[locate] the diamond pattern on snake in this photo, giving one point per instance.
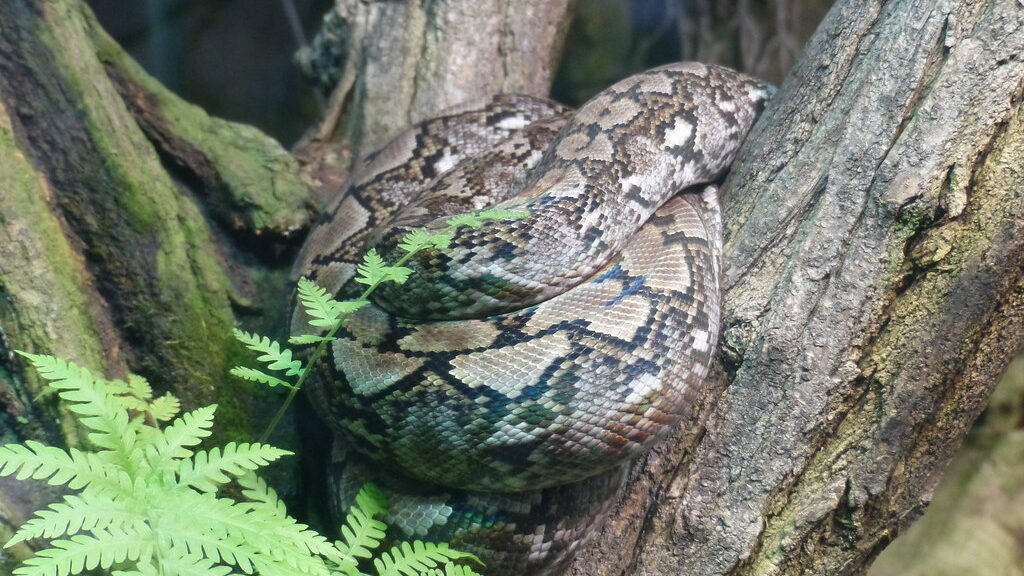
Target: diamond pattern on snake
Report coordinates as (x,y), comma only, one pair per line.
(500,394)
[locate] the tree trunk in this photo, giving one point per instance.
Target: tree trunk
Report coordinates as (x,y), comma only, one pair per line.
(392,64)
(875,286)
(875,270)
(136,231)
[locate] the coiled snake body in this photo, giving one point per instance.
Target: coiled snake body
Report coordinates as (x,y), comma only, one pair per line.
(499,393)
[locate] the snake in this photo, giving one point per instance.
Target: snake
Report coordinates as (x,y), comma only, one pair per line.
(499,395)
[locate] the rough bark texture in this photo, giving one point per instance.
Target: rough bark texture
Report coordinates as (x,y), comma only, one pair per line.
(973,525)
(761,37)
(396,63)
(112,258)
(874,295)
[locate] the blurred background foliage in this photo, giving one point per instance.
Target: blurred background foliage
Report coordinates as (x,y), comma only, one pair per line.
(235,58)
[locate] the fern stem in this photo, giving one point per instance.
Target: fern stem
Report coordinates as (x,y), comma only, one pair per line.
(279,414)
(315,357)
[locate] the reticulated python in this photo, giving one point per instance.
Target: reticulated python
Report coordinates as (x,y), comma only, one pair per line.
(498,394)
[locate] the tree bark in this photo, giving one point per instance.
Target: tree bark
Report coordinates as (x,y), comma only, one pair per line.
(874,293)
(392,64)
(973,524)
(135,232)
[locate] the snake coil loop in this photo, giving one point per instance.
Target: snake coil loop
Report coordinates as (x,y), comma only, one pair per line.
(519,370)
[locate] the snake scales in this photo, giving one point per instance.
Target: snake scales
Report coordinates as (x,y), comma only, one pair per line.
(498,395)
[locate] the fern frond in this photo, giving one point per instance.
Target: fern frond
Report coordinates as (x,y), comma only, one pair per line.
(77,513)
(74,468)
(264,523)
(373,270)
(421,239)
(261,494)
(140,387)
(122,394)
(453,570)
(502,214)
(478,219)
(176,562)
(235,533)
(362,533)
(265,499)
(407,559)
(174,441)
(271,352)
(164,408)
(322,307)
(306,339)
(229,550)
(95,407)
(464,220)
(102,549)
(206,470)
(134,394)
(258,376)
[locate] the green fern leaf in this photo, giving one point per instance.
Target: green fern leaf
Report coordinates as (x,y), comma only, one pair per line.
(74,468)
(374,270)
(77,513)
(306,339)
(271,352)
(362,533)
(217,548)
(207,470)
(176,562)
(464,221)
(102,549)
(502,214)
(453,570)
(319,304)
(397,274)
(476,220)
(140,387)
(260,377)
(265,499)
(371,270)
(122,393)
(237,533)
(412,559)
(96,408)
(164,408)
(174,441)
(421,239)
(260,494)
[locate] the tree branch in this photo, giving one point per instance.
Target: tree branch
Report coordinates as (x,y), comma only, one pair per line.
(875,292)
(402,62)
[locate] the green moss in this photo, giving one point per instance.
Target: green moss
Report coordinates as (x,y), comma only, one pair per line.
(150,250)
(42,304)
(260,179)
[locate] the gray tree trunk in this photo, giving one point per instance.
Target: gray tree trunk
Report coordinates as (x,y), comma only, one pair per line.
(875,290)
(392,64)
